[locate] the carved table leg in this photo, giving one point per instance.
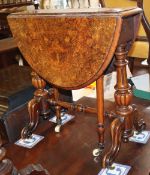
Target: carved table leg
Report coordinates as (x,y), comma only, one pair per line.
(58,111)
(33,109)
(41,95)
(100,114)
(123,94)
(116,134)
(100,110)
(122,127)
(37,106)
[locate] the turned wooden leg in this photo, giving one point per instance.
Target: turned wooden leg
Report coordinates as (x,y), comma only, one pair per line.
(58,111)
(122,126)
(100,111)
(102,2)
(123,94)
(116,135)
(89,4)
(37,106)
(41,95)
(58,118)
(100,116)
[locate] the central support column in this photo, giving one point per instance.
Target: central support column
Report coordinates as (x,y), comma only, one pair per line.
(123,94)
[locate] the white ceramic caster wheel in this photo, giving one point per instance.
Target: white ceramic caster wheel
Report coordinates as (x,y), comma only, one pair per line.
(57,128)
(96,152)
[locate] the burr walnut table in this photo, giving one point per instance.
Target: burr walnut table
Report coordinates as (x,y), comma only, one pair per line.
(72,48)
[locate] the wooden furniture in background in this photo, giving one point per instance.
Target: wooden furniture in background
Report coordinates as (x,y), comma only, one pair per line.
(14,3)
(48,4)
(4,28)
(9,52)
(15,91)
(7,7)
(141,47)
(7,45)
(73,54)
(144,4)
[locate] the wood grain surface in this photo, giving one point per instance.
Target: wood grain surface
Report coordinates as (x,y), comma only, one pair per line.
(71,48)
(68,51)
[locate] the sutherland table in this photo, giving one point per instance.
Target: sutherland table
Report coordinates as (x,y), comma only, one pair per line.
(71,49)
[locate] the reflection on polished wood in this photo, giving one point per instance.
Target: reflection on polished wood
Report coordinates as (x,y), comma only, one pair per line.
(72,48)
(7,167)
(70,152)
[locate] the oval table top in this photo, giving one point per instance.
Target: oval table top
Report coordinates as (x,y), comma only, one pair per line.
(68,48)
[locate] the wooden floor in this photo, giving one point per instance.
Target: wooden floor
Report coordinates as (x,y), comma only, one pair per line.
(70,152)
